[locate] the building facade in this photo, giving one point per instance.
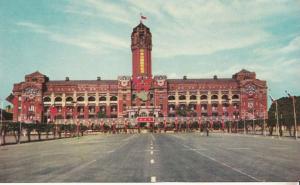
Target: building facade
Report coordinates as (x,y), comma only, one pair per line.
(39,99)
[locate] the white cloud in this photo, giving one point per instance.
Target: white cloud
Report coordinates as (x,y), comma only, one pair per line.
(201,27)
(294,45)
(100,8)
(95,41)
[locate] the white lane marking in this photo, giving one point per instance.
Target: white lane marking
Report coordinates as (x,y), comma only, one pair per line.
(151,152)
(151,147)
(111,151)
(152,161)
(278,148)
(153,179)
(196,149)
(238,148)
(153,138)
(224,164)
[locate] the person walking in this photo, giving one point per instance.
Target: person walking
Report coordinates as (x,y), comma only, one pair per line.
(207,128)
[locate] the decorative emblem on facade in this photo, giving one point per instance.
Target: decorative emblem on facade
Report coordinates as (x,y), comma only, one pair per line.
(142,83)
(250,89)
(31,92)
(250,105)
(124,80)
(143,95)
(160,80)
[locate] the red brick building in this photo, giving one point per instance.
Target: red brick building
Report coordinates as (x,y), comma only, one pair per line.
(141,95)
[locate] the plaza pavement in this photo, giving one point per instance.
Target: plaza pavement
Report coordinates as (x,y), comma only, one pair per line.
(183,157)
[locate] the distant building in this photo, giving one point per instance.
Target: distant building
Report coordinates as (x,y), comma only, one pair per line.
(141,95)
(6,116)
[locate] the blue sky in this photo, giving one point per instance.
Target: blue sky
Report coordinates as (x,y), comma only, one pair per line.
(89,38)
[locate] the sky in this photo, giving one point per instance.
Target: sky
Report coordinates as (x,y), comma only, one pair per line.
(83,39)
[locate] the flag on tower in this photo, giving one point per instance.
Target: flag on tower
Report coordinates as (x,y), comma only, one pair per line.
(143,17)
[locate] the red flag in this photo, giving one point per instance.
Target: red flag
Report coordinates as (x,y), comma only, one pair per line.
(143,17)
(53,111)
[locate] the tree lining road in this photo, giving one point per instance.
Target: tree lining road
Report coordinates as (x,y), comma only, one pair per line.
(184,157)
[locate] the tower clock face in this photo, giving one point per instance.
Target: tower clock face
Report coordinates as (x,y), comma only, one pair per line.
(250,89)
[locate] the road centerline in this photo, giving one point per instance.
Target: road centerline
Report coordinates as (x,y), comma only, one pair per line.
(152,161)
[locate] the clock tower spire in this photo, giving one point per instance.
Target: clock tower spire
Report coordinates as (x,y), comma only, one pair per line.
(141,46)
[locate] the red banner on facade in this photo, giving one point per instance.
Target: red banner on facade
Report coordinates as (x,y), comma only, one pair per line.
(145,119)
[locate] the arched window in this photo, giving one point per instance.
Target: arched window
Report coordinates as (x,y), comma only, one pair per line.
(80,99)
(171,107)
(102,108)
(182,106)
(114,108)
(193,97)
(102,98)
(91,98)
(69,99)
(214,107)
(192,106)
(214,97)
(171,98)
(225,105)
(113,98)
(182,97)
(58,99)
(203,107)
(133,97)
(225,97)
(47,99)
(91,109)
(80,109)
(235,96)
(203,97)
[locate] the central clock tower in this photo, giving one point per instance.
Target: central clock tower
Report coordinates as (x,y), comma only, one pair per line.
(141,46)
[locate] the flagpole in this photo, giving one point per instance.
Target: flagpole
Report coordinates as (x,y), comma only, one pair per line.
(264,124)
(1,121)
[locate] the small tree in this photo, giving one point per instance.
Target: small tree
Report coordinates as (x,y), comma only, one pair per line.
(72,129)
(101,114)
(3,131)
(48,128)
(59,129)
(83,128)
(40,128)
(29,128)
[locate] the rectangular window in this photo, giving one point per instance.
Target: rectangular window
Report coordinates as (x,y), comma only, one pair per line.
(142,61)
(31,108)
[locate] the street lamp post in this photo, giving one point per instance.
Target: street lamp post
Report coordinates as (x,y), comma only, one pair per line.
(244,123)
(253,123)
(264,126)
(295,118)
(1,121)
(22,118)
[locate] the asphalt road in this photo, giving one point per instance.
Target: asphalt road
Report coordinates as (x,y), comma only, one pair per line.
(184,157)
